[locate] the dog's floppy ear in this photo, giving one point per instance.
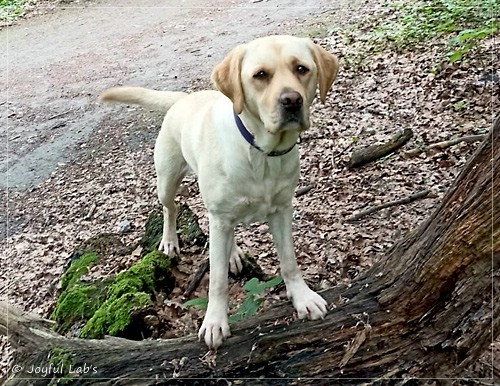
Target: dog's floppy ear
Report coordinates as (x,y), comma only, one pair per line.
(328,66)
(227,77)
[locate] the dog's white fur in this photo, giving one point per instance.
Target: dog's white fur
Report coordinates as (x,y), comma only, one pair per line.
(239,183)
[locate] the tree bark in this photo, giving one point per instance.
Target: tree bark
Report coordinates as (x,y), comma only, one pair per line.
(428,308)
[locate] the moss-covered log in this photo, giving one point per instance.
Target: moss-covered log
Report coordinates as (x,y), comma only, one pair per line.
(426,309)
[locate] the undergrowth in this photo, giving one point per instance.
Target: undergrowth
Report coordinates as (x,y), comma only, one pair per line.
(11,9)
(462,24)
(254,290)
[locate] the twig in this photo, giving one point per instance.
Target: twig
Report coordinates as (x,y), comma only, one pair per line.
(373,209)
(197,278)
(58,115)
(373,152)
(91,212)
(348,147)
(443,145)
(304,190)
(57,125)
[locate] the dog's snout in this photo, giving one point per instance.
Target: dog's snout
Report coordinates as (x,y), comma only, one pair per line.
(291,100)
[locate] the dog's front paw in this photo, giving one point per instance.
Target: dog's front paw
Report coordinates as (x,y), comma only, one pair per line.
(214,330)
(169,246)
(309,304)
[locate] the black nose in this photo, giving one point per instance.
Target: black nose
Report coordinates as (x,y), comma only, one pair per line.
(291,100)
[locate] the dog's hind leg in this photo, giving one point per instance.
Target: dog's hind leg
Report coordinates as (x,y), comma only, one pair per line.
(236,259)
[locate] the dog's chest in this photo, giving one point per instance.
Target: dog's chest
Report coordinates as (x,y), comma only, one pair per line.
(266,188)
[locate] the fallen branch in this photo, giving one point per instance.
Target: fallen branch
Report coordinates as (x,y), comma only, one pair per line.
(197,278)
(58,115)
(373,152)
(443,145)
(373,209)
(304,190)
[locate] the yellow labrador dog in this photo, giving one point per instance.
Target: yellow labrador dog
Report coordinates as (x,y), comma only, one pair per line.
(241,144)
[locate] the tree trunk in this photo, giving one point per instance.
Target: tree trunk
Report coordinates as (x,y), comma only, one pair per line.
(428,309)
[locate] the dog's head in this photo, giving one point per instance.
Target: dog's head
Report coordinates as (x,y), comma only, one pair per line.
(275,79)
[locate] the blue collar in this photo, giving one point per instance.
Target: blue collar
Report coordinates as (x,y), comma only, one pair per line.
(251,139)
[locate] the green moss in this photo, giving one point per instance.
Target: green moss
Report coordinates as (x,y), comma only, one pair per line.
(78,268)
(63,361)
(188,229)
(251,269)
(315,30)
(61,357)
(78,302)
(11,9)
(114,316)
(153,232)
(131,291)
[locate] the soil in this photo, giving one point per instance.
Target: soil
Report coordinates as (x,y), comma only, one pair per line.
(73,168)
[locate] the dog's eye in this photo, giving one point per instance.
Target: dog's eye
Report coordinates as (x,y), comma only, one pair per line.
(302,69)
(260,75)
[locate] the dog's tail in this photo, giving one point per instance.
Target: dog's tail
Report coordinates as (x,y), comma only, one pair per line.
(156,100)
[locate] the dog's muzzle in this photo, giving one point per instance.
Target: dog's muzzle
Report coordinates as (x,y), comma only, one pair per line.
(292,115)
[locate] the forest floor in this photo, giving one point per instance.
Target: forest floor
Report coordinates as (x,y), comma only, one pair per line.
(74,169)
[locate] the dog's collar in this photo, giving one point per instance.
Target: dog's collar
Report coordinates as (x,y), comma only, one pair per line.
(251,139)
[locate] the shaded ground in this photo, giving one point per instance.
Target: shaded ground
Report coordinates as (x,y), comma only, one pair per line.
(54,67)
(77,169)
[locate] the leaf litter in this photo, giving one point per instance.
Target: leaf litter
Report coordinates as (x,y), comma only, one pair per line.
(112,179)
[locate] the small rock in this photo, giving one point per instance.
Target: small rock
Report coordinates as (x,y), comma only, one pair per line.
(125,226)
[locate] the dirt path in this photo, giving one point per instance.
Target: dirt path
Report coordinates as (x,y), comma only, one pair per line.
(54,67)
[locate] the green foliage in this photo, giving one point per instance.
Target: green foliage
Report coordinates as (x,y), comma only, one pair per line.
(201,303)
(254,290)
(11,9)
(464,23)
(460,105)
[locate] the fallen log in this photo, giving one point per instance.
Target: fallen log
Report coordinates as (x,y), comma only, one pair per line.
(371,153)
(425,309)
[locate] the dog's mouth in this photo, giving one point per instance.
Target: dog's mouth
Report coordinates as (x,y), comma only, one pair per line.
(298,124)
(293,120)
(289,121)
